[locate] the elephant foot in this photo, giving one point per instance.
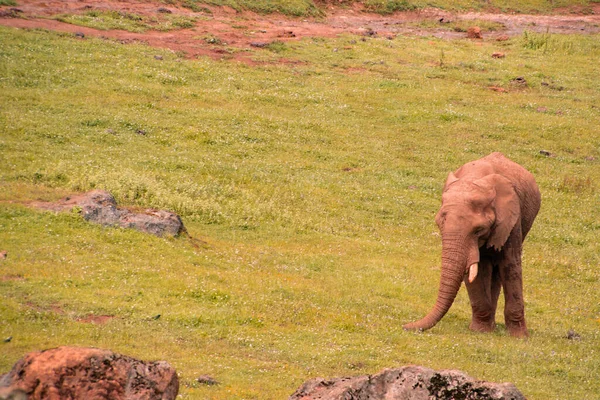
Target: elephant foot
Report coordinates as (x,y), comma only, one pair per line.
(479,326)
(518,332)
(516,327)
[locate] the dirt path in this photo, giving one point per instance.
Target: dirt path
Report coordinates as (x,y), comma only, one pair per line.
(248,30)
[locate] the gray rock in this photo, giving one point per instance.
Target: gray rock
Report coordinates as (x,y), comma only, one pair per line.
(407,383)
(100,207)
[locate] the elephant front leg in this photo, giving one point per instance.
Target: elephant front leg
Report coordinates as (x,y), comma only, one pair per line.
(483,298)
(512,283)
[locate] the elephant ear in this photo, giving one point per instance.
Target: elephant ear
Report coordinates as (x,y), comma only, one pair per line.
(507,207)
(450,180)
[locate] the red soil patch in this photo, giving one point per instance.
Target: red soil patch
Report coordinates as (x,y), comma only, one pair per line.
(237,31)
(11,277)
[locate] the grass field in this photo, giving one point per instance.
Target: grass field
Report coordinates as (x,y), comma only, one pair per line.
(313,187)
(315,8)
(127,21)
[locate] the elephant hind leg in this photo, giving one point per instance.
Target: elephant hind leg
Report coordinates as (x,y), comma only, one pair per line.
(483,294)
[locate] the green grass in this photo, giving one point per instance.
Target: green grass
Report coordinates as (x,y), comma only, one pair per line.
(312,8)
(288,7)
(131,22)
(457,25)
(313,187)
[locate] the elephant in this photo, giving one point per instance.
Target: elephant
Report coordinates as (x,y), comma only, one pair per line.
(488,207)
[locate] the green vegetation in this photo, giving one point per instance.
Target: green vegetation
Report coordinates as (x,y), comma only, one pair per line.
(525,6)
(288,7)
(127,21)
(312,8)
(8,3)
(461,25)
(312,187)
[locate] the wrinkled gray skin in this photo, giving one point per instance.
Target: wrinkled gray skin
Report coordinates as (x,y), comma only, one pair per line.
(488,207)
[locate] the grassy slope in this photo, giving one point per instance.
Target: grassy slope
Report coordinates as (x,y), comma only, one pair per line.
(127,21)
(314,188)
(315,8)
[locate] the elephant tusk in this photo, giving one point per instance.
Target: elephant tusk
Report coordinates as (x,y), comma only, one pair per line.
(473,272)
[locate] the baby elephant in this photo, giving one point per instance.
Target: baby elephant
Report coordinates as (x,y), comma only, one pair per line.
(488,206)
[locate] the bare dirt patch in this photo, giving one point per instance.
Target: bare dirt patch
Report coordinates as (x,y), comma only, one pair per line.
(95,319)
(11,277)
(223,33)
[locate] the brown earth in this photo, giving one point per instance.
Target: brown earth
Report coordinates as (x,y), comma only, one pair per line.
(96,319)
(241,33)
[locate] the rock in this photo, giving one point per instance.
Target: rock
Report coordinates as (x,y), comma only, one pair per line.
(519,80)
(572,335)
(80,35)
(3,255)
(287,34)
(156,222)
(546,153)
(207,380)
(474,32)
(158,57)
(100,207)
(164,10)
(410,382)
(498,89)
(90,373)
(11,13)
(497,54)
(260,44)
(502,38)
(370,32)
(8,394)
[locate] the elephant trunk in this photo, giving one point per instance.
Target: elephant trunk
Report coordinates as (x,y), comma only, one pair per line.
(455,258)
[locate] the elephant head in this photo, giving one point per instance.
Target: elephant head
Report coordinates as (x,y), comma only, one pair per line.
(477,212)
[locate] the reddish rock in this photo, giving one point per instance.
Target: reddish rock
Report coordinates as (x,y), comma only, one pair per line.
(498,89)
(502,38)
(474,32)
(498,55)
(411,382)
(89,373)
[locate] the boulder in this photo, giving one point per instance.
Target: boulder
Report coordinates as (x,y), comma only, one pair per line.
(407,383)
(474,32)
(100,207)
(89,373)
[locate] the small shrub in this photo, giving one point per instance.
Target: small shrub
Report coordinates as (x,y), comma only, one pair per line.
(536,41)
(576,184)
(277,46)
(388,6)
